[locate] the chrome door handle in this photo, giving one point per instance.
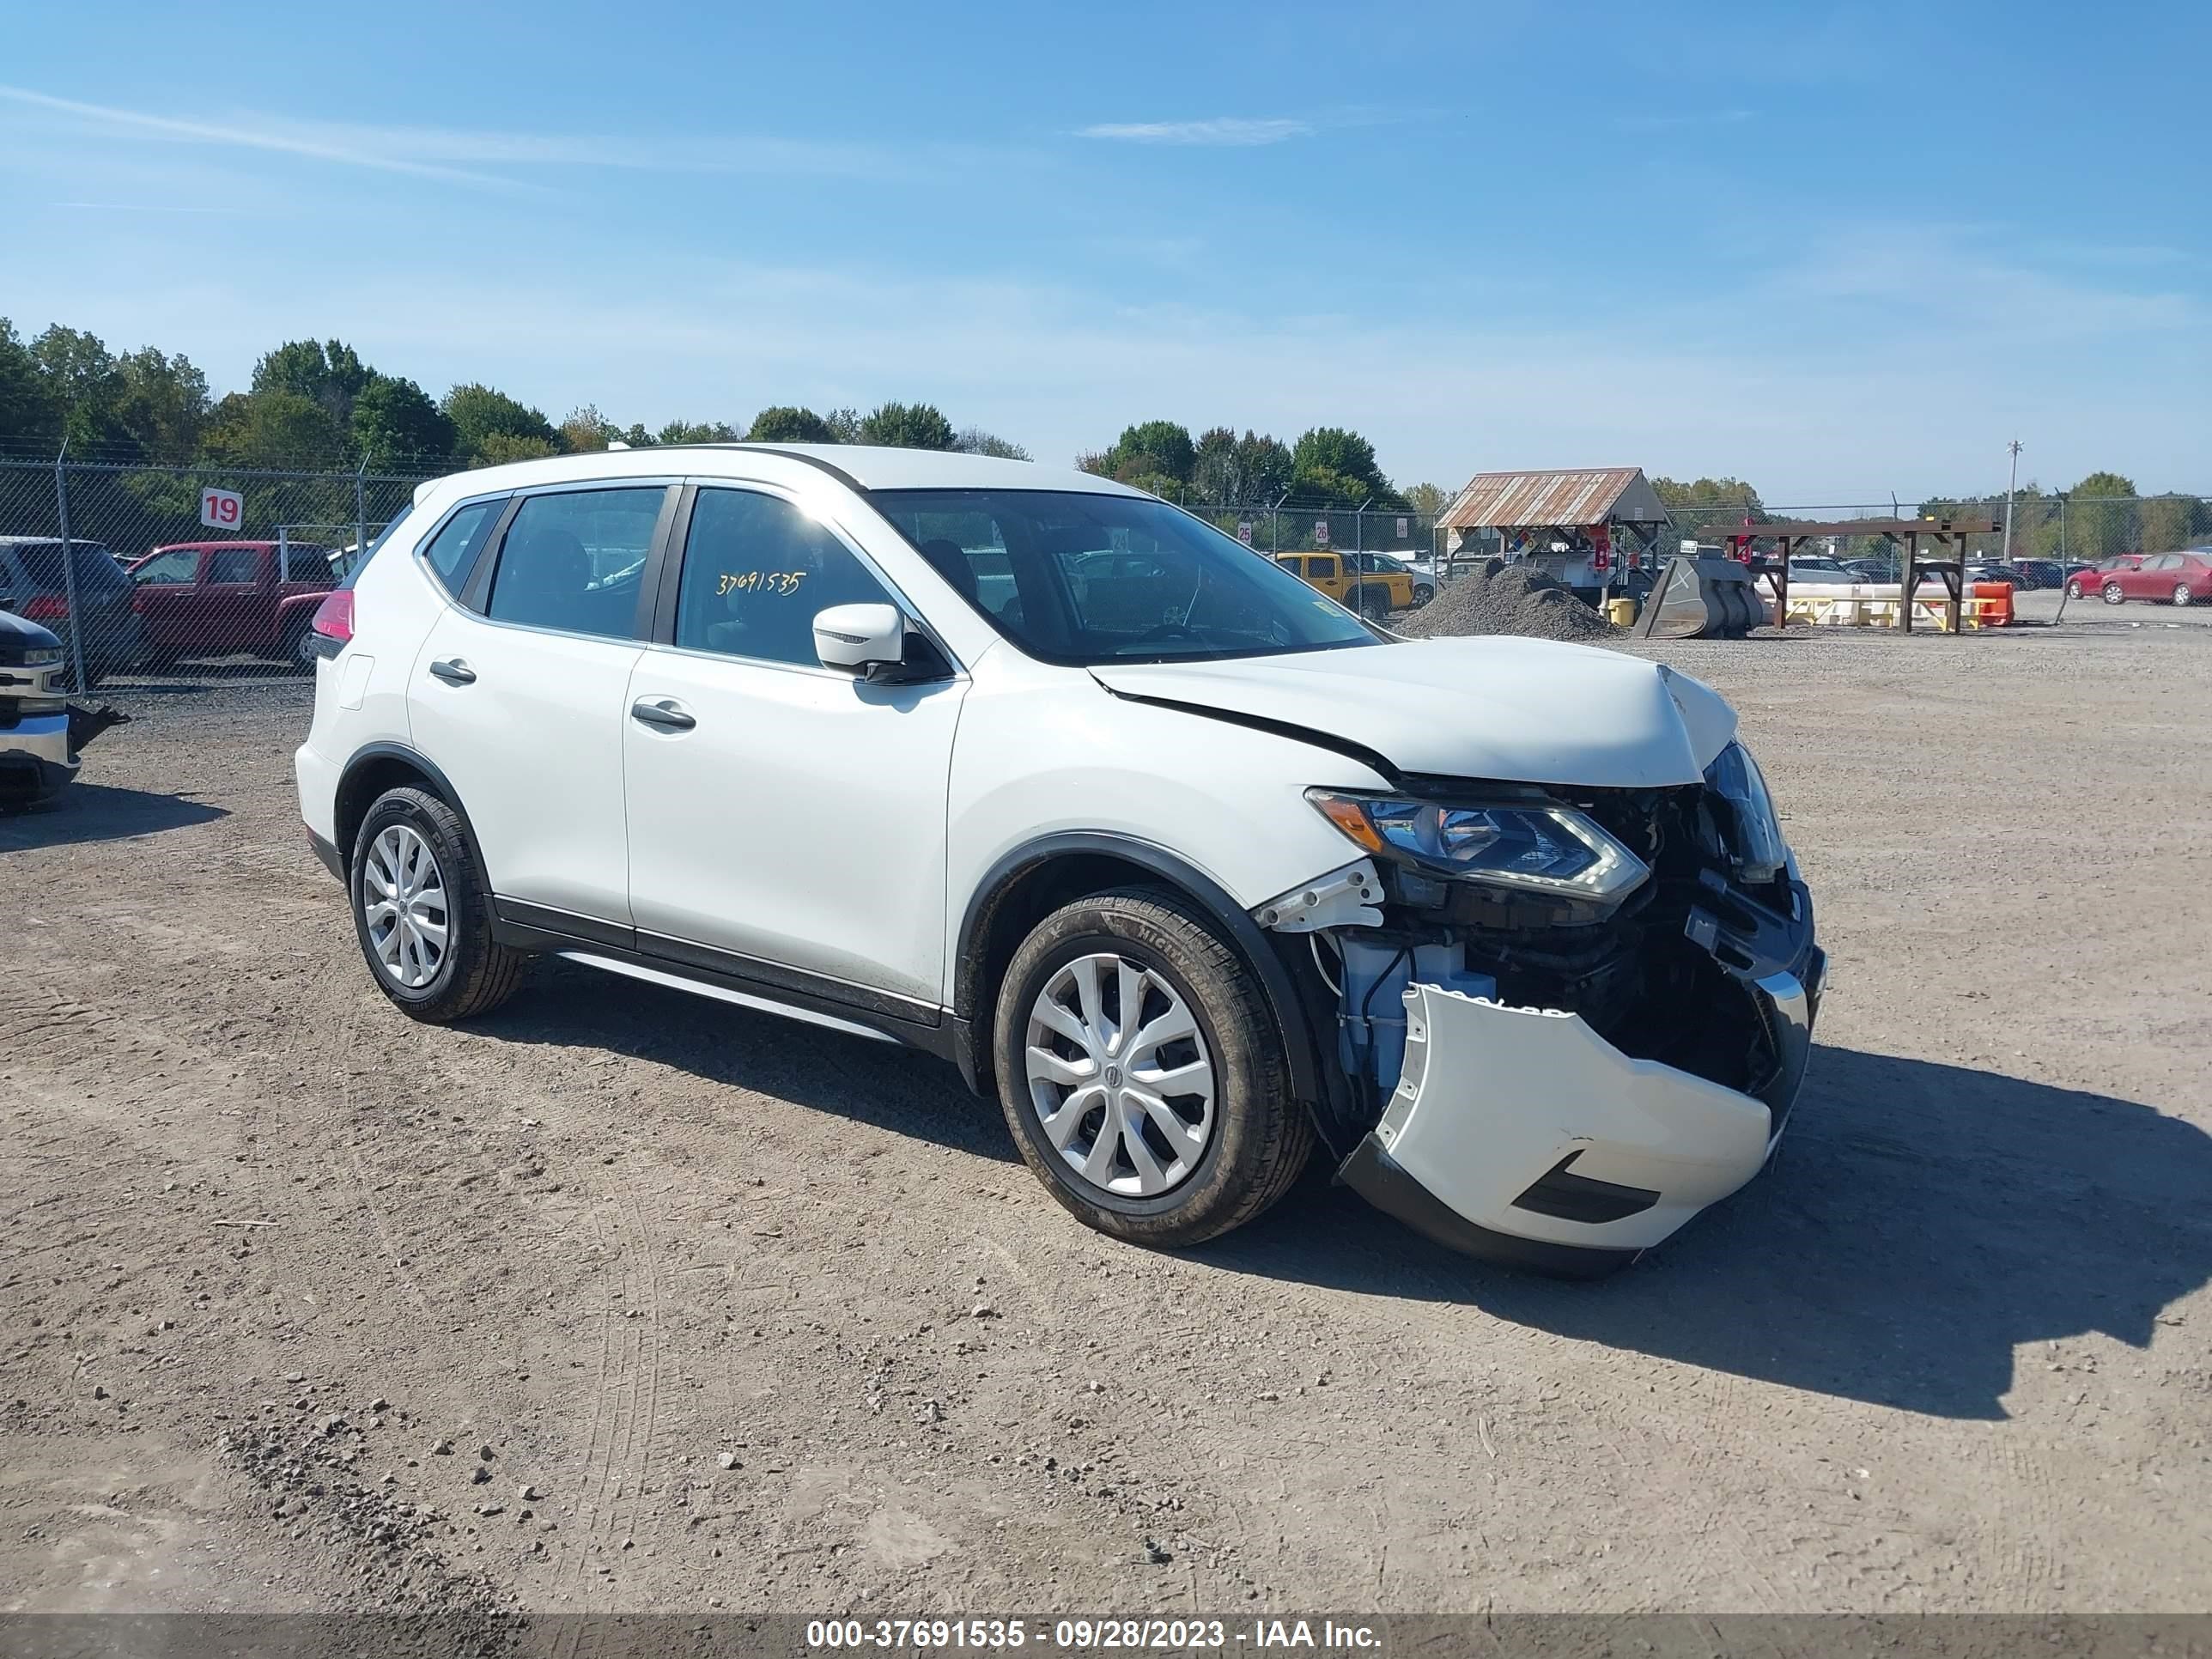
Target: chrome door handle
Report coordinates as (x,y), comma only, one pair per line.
(455,673)
(664,713)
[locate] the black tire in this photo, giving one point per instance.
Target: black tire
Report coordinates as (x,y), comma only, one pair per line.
(2112,595)
(2073,589)
(294,649)
(1262,1137)
(1423,594)
(476,973)
(2182,595)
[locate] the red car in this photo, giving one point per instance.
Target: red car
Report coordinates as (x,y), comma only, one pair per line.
(2090,579)
(2163,577)
(225,598)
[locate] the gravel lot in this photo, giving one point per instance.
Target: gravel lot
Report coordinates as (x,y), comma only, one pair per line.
(724,1310)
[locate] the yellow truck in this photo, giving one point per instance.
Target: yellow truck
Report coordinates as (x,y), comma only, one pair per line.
(1372,584)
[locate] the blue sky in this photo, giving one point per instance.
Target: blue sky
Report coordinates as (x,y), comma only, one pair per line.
(1841,252)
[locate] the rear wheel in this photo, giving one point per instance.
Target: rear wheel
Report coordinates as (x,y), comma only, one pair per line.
(298,647)
(1142,1072)
(423,913)
(2112,594)
(1424,593)
(2181,593)
(2073,589)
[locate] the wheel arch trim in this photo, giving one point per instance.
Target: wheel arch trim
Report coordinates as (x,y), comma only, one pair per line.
(1217,903)
(414,758)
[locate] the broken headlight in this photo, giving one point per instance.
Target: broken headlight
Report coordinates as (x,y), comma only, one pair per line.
(1754,837)
(1551,849)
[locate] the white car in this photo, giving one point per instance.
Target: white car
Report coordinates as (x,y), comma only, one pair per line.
(1189,866)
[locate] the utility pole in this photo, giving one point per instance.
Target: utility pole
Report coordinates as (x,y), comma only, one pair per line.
(2013,484)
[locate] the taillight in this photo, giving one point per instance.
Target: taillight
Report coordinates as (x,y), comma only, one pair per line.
(48,607)
(331,630)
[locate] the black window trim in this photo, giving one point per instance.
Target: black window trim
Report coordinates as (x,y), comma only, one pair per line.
(476,595)
(660,634)
(420,550)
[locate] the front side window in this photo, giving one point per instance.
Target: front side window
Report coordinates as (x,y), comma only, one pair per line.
(1092,579)
(576,560)
(236,566)
(757,572)
(174,568)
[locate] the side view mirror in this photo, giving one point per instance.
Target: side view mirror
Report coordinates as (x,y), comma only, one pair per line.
(858,638)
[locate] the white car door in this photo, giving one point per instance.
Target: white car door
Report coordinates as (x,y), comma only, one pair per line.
(787,821)
(518,697)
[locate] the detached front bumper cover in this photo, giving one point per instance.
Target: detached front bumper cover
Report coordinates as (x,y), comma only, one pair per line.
(1520,1135)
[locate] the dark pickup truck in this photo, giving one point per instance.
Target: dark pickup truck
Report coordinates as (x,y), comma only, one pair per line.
(230,599)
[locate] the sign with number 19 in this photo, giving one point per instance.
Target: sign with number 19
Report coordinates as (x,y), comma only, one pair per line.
(221,509)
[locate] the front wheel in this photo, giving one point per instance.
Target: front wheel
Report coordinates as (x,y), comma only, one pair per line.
(2112,594)
(423,912)
(1142,1074)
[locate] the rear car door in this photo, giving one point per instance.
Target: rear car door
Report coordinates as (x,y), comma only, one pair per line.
(517,692)
(233,606)
(787,821)
(164,584)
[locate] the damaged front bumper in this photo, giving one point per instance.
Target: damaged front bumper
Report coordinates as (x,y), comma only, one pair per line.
(1522,1135)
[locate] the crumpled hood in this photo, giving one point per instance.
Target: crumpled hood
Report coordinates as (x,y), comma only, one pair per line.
(1497,707)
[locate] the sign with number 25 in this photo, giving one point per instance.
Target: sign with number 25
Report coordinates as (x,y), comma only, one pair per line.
(221,509)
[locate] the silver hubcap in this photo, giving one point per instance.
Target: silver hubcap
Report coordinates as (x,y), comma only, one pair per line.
(1120,1076)
(403,900)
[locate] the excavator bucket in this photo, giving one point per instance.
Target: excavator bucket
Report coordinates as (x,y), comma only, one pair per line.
(1702,598)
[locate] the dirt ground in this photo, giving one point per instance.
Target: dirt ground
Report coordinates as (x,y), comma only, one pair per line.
(625,1300)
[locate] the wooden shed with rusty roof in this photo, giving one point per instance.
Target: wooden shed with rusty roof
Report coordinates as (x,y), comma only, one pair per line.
(1570,503)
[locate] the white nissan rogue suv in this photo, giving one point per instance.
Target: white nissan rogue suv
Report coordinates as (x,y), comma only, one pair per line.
(1189,866)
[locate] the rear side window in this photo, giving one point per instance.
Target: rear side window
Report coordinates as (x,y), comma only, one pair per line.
(96,569)
(236,566)
(453,551)
(303,563)
(757,571)
(576,560)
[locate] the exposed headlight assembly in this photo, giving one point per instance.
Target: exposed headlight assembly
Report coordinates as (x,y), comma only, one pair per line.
(1754,839)
(42,656)
(1546,849)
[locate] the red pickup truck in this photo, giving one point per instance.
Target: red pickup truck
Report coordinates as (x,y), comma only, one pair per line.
(231,598)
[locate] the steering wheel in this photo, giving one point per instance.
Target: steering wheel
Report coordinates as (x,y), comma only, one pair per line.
(1167,630)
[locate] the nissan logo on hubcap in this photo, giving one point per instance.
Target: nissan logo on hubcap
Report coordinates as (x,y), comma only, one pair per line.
(1113,1076)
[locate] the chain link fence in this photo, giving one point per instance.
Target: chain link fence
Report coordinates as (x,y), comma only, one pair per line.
(192,575)
(175,575)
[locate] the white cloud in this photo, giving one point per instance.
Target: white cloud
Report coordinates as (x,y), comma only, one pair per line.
(1228,131)
(458,155)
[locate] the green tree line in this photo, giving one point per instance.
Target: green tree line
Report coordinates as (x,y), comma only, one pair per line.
(1328,467)
(2100,514)
(315,404)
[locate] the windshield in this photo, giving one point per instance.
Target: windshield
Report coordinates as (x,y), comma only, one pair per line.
(1076,577)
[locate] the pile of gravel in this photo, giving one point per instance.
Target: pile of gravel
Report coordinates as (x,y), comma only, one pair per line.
(1508,599)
